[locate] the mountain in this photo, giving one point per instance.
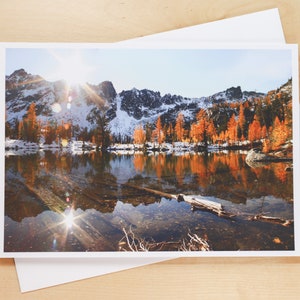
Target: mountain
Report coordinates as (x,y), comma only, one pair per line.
(56,102)
(234,94)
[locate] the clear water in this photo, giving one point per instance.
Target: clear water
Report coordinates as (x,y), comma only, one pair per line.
(63,202)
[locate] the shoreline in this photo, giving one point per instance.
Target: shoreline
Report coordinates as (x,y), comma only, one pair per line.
(254,155)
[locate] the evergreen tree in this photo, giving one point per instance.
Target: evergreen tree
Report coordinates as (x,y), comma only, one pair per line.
(101,131)
(148,131)
(50,133)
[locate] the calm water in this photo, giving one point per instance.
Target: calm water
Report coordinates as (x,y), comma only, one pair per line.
(64,202)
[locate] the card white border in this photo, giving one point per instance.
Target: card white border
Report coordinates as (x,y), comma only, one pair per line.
(167,254)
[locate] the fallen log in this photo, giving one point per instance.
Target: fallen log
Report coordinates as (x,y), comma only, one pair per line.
(151,191)
(274,220)
(197,202)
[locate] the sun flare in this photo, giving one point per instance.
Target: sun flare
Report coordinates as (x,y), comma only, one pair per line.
(73,69)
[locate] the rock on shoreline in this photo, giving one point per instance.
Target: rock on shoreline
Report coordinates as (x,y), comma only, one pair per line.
(255,156)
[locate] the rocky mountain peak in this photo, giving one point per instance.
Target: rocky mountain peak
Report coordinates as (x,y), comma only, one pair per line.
(18,73)
(108,91)
(21,77)
(139,103)
(234,93)
(15,78)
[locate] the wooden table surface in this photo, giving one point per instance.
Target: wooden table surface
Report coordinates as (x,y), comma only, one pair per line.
(108,21)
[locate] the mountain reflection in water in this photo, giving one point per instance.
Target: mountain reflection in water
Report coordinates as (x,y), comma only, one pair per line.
(62,202)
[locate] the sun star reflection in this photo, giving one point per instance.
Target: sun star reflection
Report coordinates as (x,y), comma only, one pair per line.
(69,217)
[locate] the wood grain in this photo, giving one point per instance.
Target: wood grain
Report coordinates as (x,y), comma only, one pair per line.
(107,21)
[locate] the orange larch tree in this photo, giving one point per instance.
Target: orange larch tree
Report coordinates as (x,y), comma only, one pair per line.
(158,134)
(211,131)
(139,135)
(279,134)
(232,129)
(241,123)
(179,130)
(203,130)
(194,133)
(159,128)
(254,131)
(29,128)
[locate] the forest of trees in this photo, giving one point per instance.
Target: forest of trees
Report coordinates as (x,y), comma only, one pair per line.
(31,129)
(265,120)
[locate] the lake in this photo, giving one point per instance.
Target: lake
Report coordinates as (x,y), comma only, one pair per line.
(57,201)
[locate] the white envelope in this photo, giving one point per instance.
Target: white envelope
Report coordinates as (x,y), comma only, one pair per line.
(260,27)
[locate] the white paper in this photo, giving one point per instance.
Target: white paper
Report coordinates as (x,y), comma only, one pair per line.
(263,27)
(260,27)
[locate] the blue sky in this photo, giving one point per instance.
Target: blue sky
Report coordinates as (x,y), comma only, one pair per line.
(186,72)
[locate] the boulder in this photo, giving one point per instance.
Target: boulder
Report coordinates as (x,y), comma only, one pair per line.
(256,158)
(255,155)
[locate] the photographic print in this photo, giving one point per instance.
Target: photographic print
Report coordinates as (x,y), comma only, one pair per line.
(164,151)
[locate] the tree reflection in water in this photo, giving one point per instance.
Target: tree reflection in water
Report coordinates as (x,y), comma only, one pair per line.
(61,202)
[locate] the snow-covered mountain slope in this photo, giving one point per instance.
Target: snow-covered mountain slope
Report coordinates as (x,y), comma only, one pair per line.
(55,101)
